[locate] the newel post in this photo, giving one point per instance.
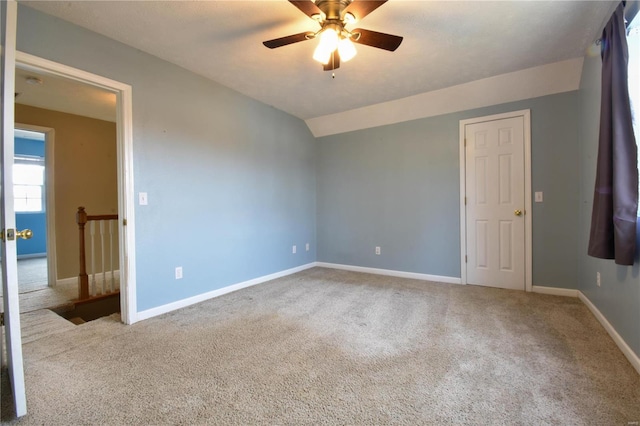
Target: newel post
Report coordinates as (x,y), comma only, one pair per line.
(83,278)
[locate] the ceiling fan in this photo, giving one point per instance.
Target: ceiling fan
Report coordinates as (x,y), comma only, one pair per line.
(336,41)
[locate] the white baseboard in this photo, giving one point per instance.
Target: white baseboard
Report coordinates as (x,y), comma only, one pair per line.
(31,256)
(567,292)
(626,350)
(391,273)
(63,281)
(153,312)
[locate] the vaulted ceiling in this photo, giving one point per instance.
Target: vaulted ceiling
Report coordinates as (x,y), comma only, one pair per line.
(446,43)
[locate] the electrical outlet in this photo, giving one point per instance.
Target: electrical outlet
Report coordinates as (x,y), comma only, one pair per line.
(378,250)
(179,273)
(294,250)
(142,198)
(306,247)
(598,279)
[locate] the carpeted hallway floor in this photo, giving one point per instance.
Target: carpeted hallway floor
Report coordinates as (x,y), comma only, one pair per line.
(334,347)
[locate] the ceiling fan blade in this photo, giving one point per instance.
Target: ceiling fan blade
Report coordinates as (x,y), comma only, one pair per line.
(307,7)
(361,8)
(283,41)
(375,39)
(334,62)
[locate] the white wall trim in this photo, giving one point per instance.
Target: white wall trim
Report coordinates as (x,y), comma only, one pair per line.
(462,151)
(390,273)
(554,291)
(528,211)
(154,312)
(31,256)
(67,281)
(126,204)
(558,77)
(626,350)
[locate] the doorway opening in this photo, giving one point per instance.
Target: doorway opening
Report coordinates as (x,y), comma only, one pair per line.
(103,90)
(34,206)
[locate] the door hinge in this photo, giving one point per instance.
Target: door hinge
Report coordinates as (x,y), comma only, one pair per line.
(465,142)
(124,222)
(465,258)
(1,319)
(465,201)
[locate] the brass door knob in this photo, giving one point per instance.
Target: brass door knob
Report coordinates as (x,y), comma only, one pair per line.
(25,234)
(517,212)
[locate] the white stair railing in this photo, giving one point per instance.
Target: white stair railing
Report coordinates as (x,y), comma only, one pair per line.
(101,278)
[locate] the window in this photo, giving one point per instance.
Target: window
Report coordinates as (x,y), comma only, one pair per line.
(28,184)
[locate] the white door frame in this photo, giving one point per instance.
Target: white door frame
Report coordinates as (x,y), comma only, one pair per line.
(50,201)
(526,114)
(126,213)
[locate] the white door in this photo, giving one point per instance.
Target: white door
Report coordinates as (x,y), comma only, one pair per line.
(495,202)
(7,214)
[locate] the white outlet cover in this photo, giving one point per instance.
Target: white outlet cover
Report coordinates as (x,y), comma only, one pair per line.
(294,250)
(307,246)
(142,198)
(179,273)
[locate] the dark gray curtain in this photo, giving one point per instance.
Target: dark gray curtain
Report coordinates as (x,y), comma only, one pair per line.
(615,204)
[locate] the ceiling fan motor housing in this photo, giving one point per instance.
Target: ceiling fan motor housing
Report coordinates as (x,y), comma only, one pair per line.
(333,9)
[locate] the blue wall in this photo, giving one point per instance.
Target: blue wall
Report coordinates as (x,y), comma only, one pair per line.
(230,181)
(31,147)
(618,297)
(37,222)
(398,187)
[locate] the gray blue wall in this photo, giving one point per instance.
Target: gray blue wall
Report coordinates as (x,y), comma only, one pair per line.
(618,297)
(233,183)
(398,187)
(230,181)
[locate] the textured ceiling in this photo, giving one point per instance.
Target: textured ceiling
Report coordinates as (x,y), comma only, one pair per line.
(445,43)
(65,95)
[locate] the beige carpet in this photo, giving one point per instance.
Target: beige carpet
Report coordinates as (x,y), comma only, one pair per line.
(47,297)
(36,325)
(335,347)
(34,291)
(32,274)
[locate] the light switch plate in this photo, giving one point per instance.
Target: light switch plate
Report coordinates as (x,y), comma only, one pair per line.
(142,198)
(538,196)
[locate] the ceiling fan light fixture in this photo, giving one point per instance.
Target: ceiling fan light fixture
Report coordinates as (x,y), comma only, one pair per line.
(328,44)
(346,49)
(336,42)
(349,18)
